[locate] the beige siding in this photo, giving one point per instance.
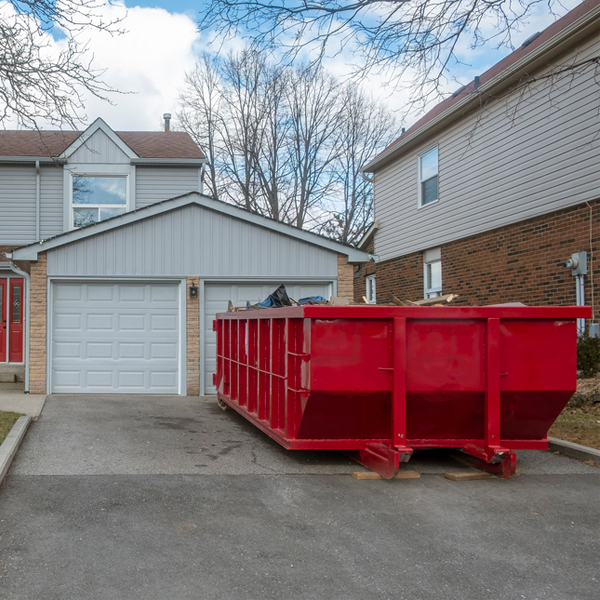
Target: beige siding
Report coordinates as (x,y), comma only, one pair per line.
(155,184)
(521,156)
(99,149)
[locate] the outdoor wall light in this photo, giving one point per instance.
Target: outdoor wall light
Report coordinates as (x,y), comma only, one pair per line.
(193,291)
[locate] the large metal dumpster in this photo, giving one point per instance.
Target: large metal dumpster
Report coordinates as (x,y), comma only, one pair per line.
(378,382)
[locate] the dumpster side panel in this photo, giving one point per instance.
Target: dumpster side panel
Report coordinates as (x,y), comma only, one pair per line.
(349,355)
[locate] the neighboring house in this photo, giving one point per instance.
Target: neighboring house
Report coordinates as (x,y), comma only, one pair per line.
(491,192)
(116,263)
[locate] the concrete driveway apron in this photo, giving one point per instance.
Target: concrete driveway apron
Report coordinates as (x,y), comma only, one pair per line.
(164,497)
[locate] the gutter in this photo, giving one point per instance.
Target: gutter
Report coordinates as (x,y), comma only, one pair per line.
(504,77)
(27,317)
(37,200)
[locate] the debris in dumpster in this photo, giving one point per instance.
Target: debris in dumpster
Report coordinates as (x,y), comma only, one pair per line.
(438,300)
(278,299)
(312,300)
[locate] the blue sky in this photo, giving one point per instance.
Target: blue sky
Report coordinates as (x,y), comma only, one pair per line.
(162,43)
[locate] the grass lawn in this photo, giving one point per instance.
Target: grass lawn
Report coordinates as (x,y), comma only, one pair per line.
(579,425)
(7,420)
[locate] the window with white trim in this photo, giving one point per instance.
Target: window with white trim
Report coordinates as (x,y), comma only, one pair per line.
(371,290)
(432,272)
(97,197)
(428,177)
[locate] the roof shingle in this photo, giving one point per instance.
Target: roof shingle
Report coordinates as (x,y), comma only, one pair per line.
(146,144)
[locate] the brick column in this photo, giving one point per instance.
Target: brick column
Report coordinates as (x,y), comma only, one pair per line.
(193,339)
(37,326)
(345,283)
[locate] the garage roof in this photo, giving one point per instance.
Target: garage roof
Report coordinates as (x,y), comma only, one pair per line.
(31,251)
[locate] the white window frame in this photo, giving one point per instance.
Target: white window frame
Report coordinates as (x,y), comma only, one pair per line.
(431,257)
(421,180)
(70,171)
(371,286)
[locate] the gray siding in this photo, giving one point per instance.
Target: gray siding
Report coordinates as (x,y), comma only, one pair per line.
(52,201)
(521,156)
(17,203)
(155,184)
(99,149)
(192,241)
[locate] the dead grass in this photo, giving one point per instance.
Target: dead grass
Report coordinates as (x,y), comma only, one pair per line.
(579,425)
(7,420)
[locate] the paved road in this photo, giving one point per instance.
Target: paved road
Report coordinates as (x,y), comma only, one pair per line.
(167,498)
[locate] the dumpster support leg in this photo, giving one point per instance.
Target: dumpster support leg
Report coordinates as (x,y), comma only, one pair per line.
(381,458)
(493,457)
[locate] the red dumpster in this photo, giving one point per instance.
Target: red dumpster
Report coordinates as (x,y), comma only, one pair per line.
(378,382)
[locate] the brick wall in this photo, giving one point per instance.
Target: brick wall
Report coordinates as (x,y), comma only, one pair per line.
(37,326)
(193,339)
(345,283)
(520,262)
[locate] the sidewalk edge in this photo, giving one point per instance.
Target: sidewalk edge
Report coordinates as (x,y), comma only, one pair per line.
(11,444)
(573,450)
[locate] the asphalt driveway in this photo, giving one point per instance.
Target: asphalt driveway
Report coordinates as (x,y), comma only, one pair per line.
(171,498)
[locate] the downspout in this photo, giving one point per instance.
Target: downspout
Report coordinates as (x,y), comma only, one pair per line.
(37,200)
(25,275)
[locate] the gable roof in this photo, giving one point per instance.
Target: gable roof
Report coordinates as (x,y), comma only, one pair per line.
(31,251)
(533,53)
(55,144)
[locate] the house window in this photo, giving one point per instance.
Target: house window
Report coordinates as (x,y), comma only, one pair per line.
(371,291)
(428,177)
(96,198)
(432,272)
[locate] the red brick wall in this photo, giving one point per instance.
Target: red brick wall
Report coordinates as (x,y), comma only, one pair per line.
(520,262)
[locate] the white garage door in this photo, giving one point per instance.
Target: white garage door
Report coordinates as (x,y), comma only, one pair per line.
(112,337)
(216,300)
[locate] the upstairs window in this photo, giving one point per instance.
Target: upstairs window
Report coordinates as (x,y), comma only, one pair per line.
(432,272)
(96,198)
(428,177)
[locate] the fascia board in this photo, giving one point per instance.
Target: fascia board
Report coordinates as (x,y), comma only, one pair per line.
(535,58)
(98,124)
(31,159)
(170,161)
(31,252)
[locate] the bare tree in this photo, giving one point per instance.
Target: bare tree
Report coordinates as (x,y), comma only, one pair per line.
(286,143)
(200,114)
(40,84)
(366,128)
(313,105)
(386,36)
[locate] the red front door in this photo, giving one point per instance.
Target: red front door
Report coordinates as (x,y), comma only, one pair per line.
(15,320)
(3,325)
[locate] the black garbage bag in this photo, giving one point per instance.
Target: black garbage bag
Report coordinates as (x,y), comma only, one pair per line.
(277,299)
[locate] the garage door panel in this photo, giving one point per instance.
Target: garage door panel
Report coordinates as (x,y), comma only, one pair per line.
(129,345)
(216,300)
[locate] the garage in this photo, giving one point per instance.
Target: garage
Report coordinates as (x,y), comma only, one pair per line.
(217,297)
(126,305)
(115,337)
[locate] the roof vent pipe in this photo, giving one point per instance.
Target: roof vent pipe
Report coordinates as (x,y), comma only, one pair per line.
(167,118)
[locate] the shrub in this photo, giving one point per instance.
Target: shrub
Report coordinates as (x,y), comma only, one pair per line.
(588,354)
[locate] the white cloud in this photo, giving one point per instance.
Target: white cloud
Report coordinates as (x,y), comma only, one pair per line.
(150,60)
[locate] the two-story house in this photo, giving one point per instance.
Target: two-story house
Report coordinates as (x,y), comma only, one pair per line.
(491,192)
(113,263)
